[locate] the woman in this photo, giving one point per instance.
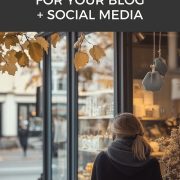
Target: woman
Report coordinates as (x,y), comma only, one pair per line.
(128,157)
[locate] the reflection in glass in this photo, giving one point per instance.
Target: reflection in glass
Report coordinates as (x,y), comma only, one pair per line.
(59,111)
(95,86)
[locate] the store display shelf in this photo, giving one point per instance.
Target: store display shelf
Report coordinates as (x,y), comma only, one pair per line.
(95,117)
(98,92)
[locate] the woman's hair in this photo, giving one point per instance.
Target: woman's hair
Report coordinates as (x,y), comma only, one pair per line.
(127,125)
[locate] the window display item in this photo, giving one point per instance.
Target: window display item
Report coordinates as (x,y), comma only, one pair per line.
(152,81)
(160,65)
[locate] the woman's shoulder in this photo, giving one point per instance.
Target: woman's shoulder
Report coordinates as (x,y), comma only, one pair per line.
(101,156)
(153,162)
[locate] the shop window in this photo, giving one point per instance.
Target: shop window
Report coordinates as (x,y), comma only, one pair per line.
(59,111)
(159,111)
(95,85)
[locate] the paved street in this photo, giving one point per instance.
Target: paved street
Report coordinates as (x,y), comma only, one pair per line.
(13,166)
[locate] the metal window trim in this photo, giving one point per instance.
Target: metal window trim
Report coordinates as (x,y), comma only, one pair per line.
(123,72)
(47,117)
(72,108)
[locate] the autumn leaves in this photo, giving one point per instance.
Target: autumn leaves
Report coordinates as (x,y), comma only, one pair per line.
(17,48)
(82,58)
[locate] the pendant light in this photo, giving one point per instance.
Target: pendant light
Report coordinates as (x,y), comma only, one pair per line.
(160,63)
(153,80)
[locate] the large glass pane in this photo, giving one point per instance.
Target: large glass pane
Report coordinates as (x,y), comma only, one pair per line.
(159,111)
(59,111)
(95,84)
(21,140)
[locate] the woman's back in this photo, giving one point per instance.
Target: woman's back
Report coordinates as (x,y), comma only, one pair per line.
(128,156)
(107,169)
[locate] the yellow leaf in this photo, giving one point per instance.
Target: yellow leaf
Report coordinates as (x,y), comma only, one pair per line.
(10,57)
(35,51)
(13,33)
(54,39)
(44,44)
(79,42)
(25,45)
(10,68)
(2,33)
(97,53)
(1,58)
(80,60)
(2,37)
(10,41)
(22,59)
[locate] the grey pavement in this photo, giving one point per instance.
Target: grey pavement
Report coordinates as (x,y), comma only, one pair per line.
(13,166)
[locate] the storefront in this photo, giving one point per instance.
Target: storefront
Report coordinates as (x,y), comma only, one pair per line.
(94,95)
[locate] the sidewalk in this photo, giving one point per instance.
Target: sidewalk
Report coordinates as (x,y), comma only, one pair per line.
(17,155)
(14,166)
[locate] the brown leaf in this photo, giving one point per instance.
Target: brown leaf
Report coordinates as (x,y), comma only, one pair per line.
(10,68)
(35,79)
(1,58)
(80,60)
(54,39)
(97,53)
(35,51)
(22,59)
(10,57)
(25,45)
(79,42)
(44,44)
(2,37)
(2,33)
(13,33)
(10,41)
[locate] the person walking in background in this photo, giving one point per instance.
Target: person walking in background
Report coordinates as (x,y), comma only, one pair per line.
(23,136)
(128,157)
(60,138)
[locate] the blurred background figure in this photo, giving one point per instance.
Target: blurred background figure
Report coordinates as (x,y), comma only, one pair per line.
(23,136)
(60,138)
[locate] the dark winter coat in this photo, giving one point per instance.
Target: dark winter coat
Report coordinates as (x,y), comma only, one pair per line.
(122,166)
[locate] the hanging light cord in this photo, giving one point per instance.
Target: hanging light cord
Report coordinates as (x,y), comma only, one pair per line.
(159,44)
